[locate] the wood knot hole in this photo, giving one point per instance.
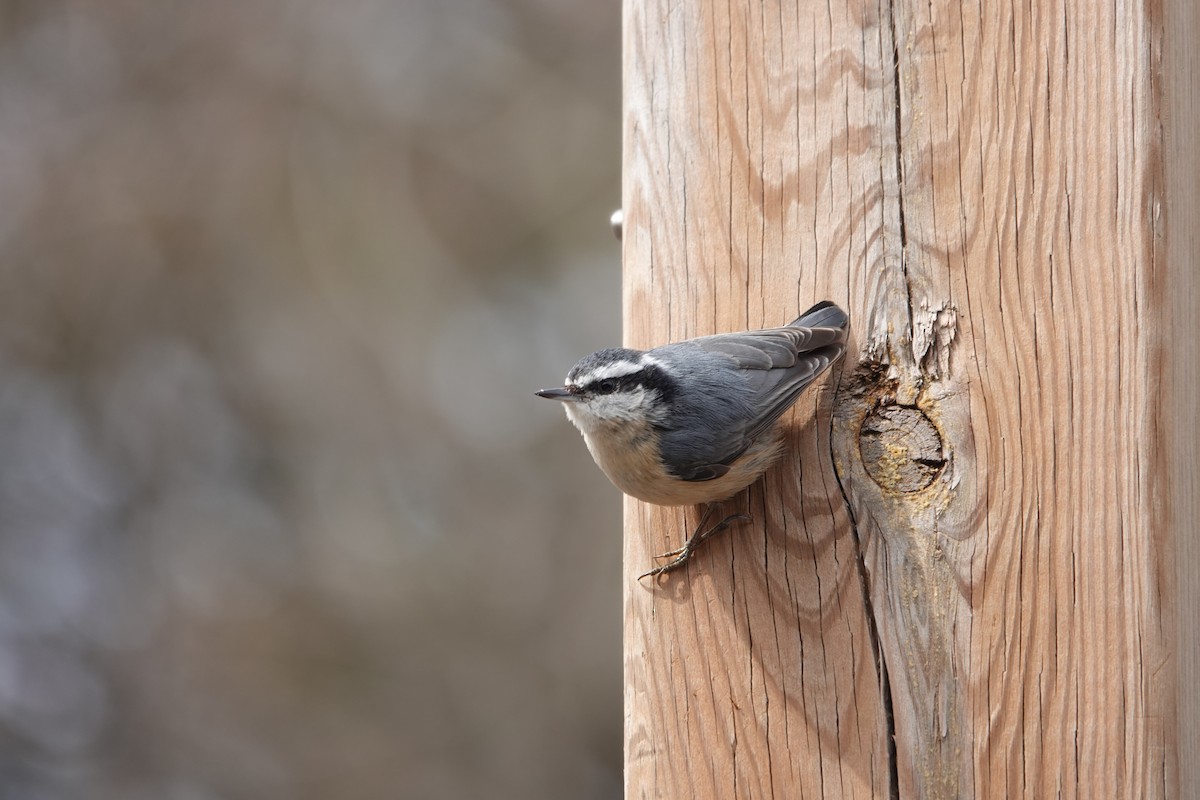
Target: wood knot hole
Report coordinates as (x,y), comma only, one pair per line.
(901,448)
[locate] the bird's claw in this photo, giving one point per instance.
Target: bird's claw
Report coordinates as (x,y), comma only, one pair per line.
(681,555)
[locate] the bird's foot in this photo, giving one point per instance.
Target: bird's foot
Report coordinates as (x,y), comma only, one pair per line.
(680,556)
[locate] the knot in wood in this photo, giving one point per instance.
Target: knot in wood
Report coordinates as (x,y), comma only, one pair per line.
(900,448)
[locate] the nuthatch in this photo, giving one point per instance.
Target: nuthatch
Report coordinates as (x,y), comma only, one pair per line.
(695,422)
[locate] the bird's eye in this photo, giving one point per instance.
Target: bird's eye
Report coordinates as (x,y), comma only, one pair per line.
(607,386)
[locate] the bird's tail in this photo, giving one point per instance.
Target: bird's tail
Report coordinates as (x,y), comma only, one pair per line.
(824,314)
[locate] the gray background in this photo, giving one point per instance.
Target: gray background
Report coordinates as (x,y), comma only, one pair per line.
(280,516)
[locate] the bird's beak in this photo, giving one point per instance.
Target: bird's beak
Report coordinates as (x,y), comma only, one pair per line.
(565,395)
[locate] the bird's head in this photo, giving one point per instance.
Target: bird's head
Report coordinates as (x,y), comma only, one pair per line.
(615,387)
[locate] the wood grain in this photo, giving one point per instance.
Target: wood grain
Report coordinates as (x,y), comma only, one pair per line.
(1181,418)
(746,198)
(988,189)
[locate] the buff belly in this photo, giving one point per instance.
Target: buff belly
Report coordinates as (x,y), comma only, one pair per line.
(632,464)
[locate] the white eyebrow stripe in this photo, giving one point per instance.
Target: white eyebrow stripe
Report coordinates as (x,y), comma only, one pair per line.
(617,369)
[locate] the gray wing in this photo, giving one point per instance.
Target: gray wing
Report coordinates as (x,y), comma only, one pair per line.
(743,383)
(778,364)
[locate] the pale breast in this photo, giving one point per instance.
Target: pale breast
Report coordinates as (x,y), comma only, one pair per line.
(633,465)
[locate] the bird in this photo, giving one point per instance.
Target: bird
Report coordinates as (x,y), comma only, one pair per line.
(697,421)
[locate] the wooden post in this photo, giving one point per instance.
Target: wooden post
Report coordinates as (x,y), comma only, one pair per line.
(963,581)
(1180,408)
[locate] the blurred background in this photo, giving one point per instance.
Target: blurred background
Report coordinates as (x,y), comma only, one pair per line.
(280,516)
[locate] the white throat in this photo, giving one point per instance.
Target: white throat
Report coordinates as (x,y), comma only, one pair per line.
(627,408)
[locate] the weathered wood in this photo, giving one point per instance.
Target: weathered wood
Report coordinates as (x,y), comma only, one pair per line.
(752,674)
(1020,602)
(1181,418)
(983,186)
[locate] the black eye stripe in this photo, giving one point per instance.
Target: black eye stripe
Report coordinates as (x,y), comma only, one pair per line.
(650,377)
(611,385)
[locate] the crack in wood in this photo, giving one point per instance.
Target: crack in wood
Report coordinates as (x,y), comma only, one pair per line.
(881,669)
